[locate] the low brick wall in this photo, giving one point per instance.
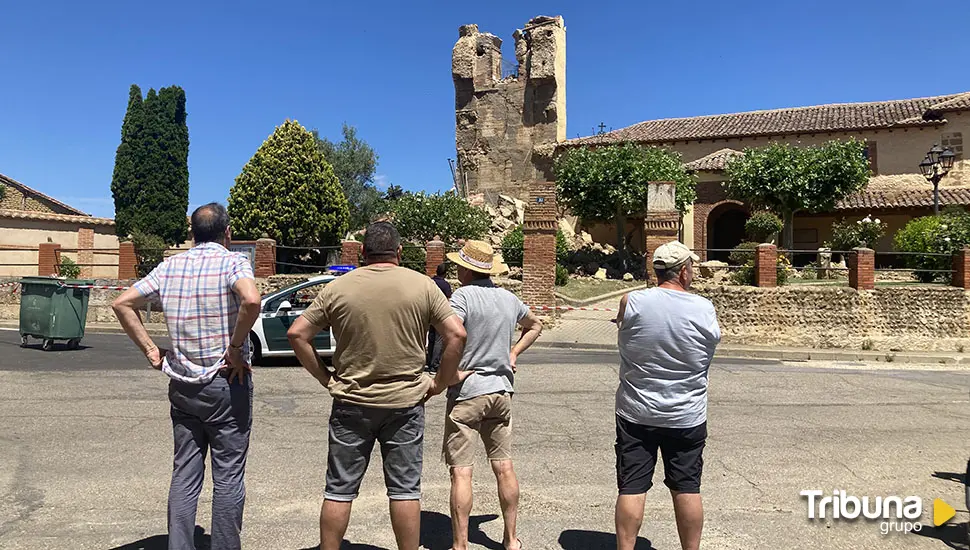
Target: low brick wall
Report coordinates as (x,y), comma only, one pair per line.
(884,319)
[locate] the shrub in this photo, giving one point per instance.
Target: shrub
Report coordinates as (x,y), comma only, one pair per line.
(864,233)
(69,269)
(513,243)
(745,274)
(743,253)
(763,226)
(944,234)
(562,275)
(150,251)
(413,257)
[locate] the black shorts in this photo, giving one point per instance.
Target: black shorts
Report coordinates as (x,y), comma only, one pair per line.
(636,457)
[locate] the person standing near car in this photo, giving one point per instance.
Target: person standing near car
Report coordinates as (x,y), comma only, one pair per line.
(481,406)
(666,340)
(445,286)
(379,315)
(210,301)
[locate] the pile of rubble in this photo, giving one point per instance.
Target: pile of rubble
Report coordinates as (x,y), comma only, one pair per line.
(507,213)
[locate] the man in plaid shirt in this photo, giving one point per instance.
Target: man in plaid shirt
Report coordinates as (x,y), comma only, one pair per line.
(210,301)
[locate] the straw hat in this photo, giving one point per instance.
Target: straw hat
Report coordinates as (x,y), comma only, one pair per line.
(478,256)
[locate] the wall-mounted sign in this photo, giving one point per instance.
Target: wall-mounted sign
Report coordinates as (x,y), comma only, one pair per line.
(540,199)
(249,250)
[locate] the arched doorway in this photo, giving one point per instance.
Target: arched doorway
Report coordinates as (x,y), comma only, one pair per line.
(725,229)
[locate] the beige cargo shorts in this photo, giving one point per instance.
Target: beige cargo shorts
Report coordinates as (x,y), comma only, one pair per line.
(486,416)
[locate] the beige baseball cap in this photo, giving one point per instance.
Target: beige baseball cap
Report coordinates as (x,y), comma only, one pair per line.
(672,255)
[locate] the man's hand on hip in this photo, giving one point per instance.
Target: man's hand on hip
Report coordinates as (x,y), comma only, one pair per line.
(238,366)
(156,357)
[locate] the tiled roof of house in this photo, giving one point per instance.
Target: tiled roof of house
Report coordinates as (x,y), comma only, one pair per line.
(714,162)
(5,180)
(903,198)
(839,117)
(50,216)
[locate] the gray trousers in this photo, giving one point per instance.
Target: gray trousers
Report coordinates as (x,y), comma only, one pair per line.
(216,416)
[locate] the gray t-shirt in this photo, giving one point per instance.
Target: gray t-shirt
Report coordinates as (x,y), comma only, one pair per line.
(666,340)
(490,315)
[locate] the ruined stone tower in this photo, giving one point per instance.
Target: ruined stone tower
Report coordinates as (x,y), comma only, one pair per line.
(508,122)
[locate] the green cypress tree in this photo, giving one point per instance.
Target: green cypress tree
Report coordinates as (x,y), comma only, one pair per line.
(125,180)
(289,192)
(151,183)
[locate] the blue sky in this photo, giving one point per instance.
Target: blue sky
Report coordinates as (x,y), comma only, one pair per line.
(385,67)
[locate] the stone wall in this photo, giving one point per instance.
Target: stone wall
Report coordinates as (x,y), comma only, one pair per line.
(884,319)
(507,125)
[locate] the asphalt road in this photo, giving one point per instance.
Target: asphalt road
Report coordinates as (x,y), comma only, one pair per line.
(85,455)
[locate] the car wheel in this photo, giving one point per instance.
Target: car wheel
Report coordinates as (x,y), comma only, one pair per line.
(254,346)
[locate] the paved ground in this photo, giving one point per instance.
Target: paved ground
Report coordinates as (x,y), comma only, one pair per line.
(85,451)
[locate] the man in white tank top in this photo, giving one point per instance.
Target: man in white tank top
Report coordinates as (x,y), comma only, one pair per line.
(666,341)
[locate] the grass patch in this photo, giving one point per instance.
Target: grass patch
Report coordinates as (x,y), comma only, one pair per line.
(584,289)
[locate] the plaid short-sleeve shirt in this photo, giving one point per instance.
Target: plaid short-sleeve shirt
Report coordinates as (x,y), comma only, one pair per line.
(195,289)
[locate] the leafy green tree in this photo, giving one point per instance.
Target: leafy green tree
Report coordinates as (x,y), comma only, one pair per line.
(289,192)
(354,163)
(150,183)
(610,183)
(787,179)
(763,226)
(420,217)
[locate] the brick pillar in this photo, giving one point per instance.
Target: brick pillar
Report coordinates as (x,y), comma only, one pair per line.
(658,228)
(47,259)
(862,269)
(265,259)
(766,266)
(350,252)
(961,269)
(85,252)
(127,261)
(539,247)
(434,256)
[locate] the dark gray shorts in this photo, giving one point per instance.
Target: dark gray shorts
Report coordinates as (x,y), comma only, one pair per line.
(353,431)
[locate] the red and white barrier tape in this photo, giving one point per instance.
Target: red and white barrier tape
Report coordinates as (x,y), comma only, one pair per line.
(567,308)
(538,308)
(95,287)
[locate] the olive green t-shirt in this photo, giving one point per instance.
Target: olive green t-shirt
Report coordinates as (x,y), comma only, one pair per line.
(380,317)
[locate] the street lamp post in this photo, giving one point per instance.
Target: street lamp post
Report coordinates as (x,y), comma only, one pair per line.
(935,165)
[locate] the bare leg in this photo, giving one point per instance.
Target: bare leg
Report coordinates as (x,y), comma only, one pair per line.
(690,519)
(406,522)
(629,518)
(508,496)
(461,505)
(334,518)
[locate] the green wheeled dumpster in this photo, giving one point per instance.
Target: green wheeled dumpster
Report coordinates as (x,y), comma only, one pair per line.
(51,310)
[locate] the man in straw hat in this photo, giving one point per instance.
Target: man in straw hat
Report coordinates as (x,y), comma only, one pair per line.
(481,406)
(380,314)
(666,340)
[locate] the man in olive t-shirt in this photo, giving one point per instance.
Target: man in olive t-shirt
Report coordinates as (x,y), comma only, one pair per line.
(380,315)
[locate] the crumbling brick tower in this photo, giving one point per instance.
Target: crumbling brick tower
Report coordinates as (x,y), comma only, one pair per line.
(506,128)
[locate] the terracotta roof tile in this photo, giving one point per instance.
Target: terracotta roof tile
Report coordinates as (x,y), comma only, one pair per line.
(956,103)
(820,118)
(714,162)
(29,191)
(50,216)
(904,198)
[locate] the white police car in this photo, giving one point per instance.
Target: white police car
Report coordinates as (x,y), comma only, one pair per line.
(280,309)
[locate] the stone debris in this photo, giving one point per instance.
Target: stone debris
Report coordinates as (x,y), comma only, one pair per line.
(600,274)
(628,277)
